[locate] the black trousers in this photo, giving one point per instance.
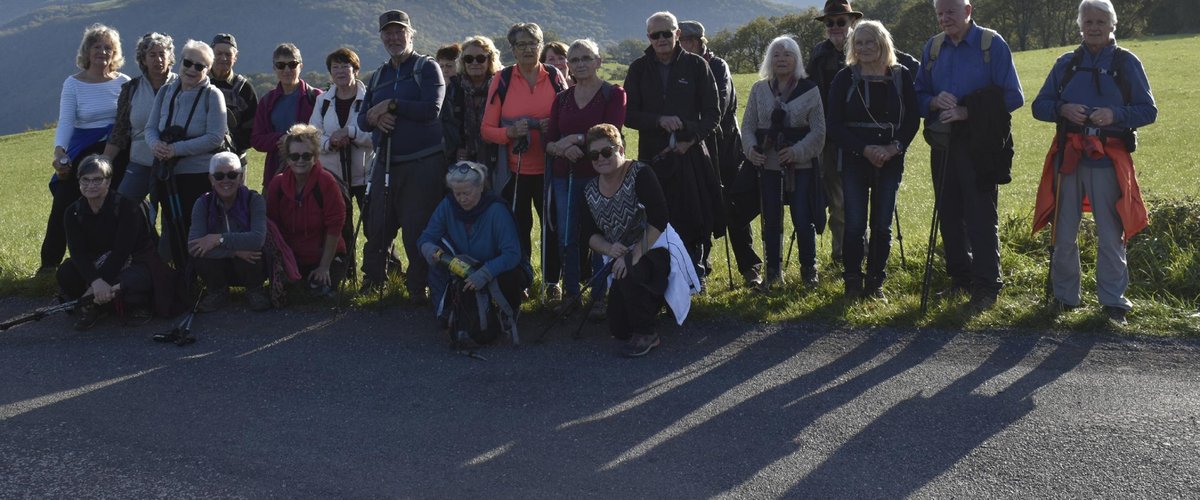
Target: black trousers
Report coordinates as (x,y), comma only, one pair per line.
(635,300)
(137,286)
(531,195)
(416,188)
(969,221)
(220,274)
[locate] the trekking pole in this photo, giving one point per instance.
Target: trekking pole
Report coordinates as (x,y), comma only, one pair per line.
(900,237)
(547,225)
(43,312)
(181,335)
(933,228)
(351,246)
(387,185)
(728,262)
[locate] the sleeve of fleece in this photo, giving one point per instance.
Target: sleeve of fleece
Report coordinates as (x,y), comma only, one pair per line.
(433,90)
(150,128)
(924,84)
(334,212)
(67,101)
(635,115)
(650,195)
(83,260)
(199,227)
(1141,110)
(436,228)
(129,224)
(710,111)
(263,138)
(490,129)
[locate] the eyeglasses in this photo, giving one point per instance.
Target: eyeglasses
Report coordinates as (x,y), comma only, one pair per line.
(526,45)
(660,35)
(298,157)
(469,59)
(606,152)
(581,59)
(288,64)
(188,63)
(220,176)
(841,23)
(92,181)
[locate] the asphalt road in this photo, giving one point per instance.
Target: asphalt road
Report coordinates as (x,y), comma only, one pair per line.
(372,404)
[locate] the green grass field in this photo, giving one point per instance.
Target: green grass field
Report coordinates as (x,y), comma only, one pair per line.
(1164,261)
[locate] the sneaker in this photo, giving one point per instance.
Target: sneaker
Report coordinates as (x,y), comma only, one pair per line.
(213,301)
(640,345)
(1115,315)
(752,278)
(554,293)
(599,311)
(89,315)
(876,294)
(257,297)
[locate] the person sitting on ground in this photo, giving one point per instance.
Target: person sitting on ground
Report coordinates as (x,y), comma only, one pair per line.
(473,222)
(306,204)
(229,227)
(110,244)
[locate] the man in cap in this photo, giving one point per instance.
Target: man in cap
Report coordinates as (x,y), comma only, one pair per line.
(240,100)
(403,101)
(725,148)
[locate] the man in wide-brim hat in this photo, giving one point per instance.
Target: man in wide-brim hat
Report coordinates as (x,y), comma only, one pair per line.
(838,8)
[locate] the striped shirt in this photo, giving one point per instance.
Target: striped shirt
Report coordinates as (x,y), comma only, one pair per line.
(86,105)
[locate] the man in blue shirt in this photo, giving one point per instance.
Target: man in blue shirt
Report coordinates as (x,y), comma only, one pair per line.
(961,60)
(404,99)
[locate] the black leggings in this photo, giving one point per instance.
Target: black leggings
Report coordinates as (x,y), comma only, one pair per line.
(531,193)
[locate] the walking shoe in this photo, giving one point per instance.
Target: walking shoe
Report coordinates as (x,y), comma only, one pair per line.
(599,311)
(370,286)
(554,292)
(257,297)
(213,301)
(640,345)
(876,294)
(982,301)
(1059,307)
(774,280)
(752,277)
(853,289)
(89,315)
(809,276)
(1115,315)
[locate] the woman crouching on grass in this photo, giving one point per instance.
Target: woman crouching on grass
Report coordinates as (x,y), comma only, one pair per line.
(628,224)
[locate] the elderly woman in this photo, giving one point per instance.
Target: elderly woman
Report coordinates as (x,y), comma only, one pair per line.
(590,102)
(87,110)
(517,113)
(229,227)
(1097,95)
(291,102)
(783,131)
(306,204)
(555,54)
(872,118)
(155,57)
(628,224)
(473,224)
(185,127)
(111,243)
(480,60)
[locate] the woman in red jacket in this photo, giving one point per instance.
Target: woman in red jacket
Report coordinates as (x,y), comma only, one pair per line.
(305,202)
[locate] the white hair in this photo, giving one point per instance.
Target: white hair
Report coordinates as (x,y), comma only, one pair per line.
(202,48)
(787,43)
(585,44)
(1104,6)
(224,158)
(963,3)
(663,16)
(474,176)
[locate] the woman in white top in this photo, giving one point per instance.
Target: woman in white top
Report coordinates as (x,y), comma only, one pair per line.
(345,150)
(87,109)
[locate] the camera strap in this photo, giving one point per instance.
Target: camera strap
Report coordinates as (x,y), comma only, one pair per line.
(191,113)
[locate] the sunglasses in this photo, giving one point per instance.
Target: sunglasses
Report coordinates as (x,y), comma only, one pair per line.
(606,152)
(288,65)
(657,35)
(188,63)
(581,59)
(298,157)
(841,23)
(220,176)
(463,167)
(468,59)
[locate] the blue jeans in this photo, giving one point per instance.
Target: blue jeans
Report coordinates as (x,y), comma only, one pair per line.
(570,241)
(869,194)
(138,182)
(773,198)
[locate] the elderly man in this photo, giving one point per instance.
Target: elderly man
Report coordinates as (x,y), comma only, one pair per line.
(674,105)
(725,148)
(240,100)
(403,99)
(960,65)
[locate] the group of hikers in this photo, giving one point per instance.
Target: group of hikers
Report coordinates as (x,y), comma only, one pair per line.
(456,153)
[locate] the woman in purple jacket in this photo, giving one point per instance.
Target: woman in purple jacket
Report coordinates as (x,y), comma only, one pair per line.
(290,103)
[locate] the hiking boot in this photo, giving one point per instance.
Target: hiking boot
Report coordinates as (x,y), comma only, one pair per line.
(89,315)
(640,345)
(853,289)
(876,294)
(599,311)
(808,276)
(554,293)
(1115,315)
(752,277)
(258,299)
(213,301)
(1059,307)
(774,280)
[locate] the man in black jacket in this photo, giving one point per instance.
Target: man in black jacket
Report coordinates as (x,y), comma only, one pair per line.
(241,101)
(673,93)
(725,148)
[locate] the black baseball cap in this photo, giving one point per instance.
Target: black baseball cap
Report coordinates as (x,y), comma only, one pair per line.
(394,17)
(224,38)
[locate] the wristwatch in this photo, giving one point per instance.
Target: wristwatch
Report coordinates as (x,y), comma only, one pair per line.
(221,240)
(899,146)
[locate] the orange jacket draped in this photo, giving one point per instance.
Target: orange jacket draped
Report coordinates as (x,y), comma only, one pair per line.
(1130,207)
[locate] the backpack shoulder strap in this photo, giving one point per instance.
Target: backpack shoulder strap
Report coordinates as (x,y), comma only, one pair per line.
(1072,68)
(554,78)
(935,48)
(502,86)
(985,44)
(606,90)
(855,78)
(1119,59)
(324,107)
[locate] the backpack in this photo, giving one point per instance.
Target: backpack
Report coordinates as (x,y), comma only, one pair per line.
(985,44)
(1118,75)
(506,79)
(418,66)
(325,106)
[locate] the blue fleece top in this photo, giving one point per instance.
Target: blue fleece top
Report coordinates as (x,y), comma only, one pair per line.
(418,131)
(492,240)
(960,70)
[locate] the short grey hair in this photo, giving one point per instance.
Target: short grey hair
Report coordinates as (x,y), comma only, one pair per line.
(663,16)
(585,44)
(532,29)
(787,43)
(93,164)
(202,48)
(475,176)
(225,158)
(155,39)
(1104,6)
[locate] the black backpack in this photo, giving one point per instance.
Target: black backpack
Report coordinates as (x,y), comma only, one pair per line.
(1116,71)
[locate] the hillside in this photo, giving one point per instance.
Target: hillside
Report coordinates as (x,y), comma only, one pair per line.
(52,29)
